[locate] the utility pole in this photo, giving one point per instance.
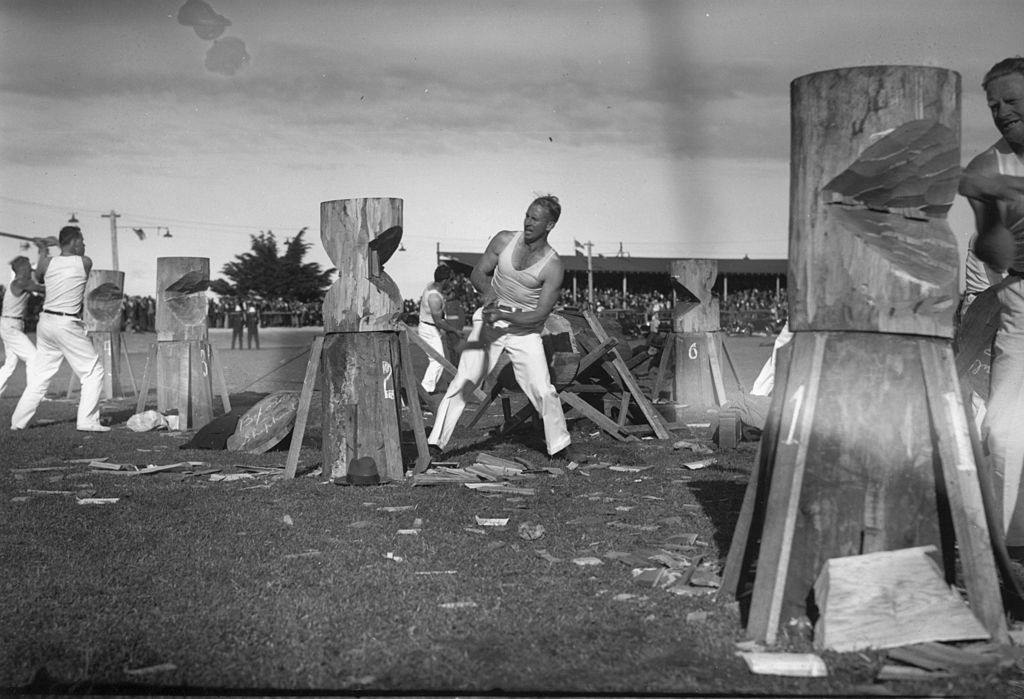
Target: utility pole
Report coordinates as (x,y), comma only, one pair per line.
(113,216)
(590,274)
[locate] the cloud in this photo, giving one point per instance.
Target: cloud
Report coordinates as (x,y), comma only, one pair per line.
(226,56)
(203,19)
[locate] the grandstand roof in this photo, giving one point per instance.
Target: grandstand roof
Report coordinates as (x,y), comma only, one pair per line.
(636,265)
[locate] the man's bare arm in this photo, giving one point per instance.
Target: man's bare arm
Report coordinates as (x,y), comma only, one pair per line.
(20,286)
(982,186)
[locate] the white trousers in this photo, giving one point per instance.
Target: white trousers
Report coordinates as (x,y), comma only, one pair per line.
(530,366)
(16,346)
(1003,427)
(432,336)
(58,338)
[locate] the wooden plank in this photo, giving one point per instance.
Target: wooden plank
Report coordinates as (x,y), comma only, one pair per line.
(445,364)
(888,599)
(732,572)
(949,420)
(302,414)
(749,527)
(494,387)
(128,365)
(624,409)
(732,367)
(200,384)
(938,656)
(716,368)
(148,374)
(784,494)
(629,381)
(419,429)
(218,372)
(388,428)
(430,351)
(595,416)
(663,365)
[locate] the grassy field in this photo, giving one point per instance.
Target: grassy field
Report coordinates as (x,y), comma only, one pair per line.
(266,586)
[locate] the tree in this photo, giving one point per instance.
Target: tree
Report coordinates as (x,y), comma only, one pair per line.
(264,272)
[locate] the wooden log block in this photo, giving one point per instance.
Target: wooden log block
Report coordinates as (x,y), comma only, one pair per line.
(696,309)
(364,297)
(874,168)
(698,380)
(108,346)
(184,381)
(873,474)
(888,599)
(181,284)
(104,297)
(101,315)
(291,464)
(358,370)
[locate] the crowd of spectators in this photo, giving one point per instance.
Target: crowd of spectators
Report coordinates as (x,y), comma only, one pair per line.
(743,311)
(271,312)
(755,310)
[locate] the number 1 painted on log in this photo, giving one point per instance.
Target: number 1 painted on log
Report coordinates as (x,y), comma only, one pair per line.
(798,398)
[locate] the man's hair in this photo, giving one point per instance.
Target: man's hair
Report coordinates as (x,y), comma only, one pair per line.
(442,272)
(1007,66)
(67,234)
(20,261)
(549,203)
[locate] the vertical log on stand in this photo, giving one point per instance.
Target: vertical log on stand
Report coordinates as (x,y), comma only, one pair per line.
(852,443)
(695,334)
(361,359)
(183,377)
(104,300)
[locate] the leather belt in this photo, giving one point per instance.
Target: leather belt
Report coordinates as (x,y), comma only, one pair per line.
(12,317)
(60,313)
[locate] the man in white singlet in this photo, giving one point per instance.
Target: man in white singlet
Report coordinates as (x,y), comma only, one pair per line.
(16,344)
(61,334)
(994,184)
(432,322)
(519,277)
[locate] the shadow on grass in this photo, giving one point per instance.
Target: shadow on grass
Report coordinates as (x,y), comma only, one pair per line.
(721,497)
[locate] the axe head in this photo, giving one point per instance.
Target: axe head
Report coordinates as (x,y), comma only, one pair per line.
(386,243)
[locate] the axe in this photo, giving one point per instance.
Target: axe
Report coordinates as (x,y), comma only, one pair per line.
(49,240)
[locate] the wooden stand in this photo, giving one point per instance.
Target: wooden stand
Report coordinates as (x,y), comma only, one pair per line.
(182,360)
(867,446)
(102,309)
(362,414)
(695,341)
(571,379)
(183,373)
(365,352)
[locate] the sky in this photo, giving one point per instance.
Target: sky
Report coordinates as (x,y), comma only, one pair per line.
(663,127)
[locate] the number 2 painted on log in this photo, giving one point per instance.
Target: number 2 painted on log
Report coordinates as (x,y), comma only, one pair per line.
(798,398)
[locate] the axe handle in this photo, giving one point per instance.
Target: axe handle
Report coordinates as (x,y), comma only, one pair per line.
(15,235)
